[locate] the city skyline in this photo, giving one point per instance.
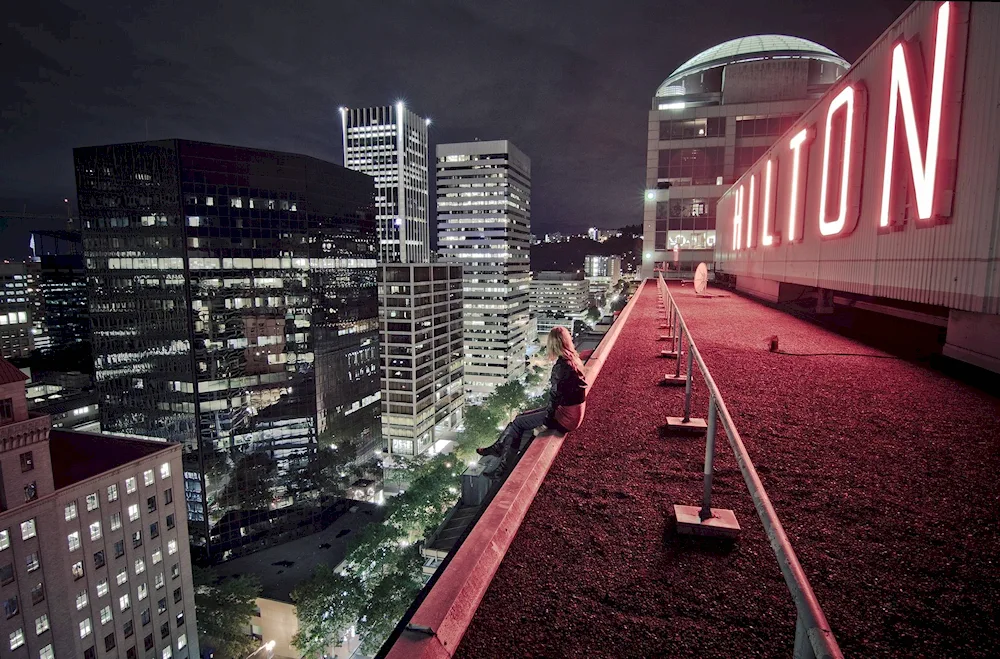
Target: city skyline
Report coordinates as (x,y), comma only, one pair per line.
(134,82)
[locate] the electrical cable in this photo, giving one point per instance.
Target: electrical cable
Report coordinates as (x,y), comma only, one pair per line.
(834,354)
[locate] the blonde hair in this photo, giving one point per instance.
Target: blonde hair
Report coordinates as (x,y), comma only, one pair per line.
(560,344)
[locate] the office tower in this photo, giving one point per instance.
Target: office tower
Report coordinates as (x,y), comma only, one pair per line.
(62,286)
(233,304)
(484,223)
(558,298)
(389,143)
(94,558)
(17,301)
(603,273)
(711,119)
(420,311)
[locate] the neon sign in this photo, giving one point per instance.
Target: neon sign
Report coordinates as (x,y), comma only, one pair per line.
(924,170)
(788,197)
(845,99)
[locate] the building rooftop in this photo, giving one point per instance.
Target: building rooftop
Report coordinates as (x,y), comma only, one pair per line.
(866,458)
(283,567)
(77,456)
(756,47)
(10,373)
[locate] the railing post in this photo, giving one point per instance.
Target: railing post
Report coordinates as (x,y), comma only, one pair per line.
(706,501)
(680,343)
(687,382)
(803,648)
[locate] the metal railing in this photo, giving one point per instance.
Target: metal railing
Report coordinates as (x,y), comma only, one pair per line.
(813,636)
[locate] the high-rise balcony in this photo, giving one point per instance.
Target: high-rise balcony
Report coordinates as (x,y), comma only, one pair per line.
(881,471)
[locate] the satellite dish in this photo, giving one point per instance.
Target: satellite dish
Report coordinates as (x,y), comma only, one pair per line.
(700,279)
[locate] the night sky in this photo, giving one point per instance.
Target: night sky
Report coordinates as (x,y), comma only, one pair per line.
(569,82)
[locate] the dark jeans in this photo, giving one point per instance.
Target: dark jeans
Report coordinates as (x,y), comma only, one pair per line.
(520,428)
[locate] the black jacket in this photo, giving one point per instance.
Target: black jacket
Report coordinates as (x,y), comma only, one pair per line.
(567,387)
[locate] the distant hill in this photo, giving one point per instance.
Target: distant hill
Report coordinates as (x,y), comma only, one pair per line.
(570,255)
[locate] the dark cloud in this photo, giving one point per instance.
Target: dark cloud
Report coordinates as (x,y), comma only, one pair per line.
(568,82)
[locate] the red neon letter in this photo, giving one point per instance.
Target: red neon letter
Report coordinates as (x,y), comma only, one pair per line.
(846,99)
(765,230)
(738,219)
(923,170)
(795,144)
(750,208)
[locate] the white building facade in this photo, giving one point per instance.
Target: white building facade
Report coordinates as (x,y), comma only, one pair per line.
(710,120)
(484,222)
(389,143)
(420,314)
(558,298)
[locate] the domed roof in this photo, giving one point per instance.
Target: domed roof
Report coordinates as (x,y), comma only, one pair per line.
(760,46)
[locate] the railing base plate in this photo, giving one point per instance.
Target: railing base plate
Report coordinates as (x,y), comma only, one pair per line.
(692,426)
(672,380)
(664,326)
(722,523)
(670,354)
(667,337)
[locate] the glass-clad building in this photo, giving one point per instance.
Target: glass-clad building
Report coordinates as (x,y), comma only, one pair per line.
(233,306)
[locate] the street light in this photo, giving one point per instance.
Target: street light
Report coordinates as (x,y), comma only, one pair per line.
(269,646)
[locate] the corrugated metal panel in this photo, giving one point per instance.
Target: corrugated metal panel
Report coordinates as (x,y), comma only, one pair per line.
(953,265)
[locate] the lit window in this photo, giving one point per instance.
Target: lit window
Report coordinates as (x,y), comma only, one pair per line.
(124,602)
(85,628)
(47,653)
(32,562)
(147,477)
(122,576)
(113,492)
(16,639)
(165,470)
(116,521)
(140,566)
(28,529)
(81,600)
(105,615)
(41,624)
(71,511)
(93,502)
(172,547)
(157,556)
(158,581)
(142,591)
(4,539)
(102,588)
(182,641)
(74,540)
(77,570)
(133,512)
(130,485)
(210,201)
(95,530)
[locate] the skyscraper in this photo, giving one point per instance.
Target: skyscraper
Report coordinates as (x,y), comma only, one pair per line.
(233,305)
(389,143)
(484,224)
(420,310)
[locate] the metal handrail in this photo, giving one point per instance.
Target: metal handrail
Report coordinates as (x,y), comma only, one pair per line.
(813,636)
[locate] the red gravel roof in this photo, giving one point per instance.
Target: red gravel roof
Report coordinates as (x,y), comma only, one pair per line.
(882,471)
(10,373)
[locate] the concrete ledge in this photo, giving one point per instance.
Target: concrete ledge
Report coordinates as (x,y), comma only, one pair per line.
(439,623)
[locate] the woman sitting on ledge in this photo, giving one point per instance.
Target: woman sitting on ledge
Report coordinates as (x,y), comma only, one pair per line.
(567,399)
